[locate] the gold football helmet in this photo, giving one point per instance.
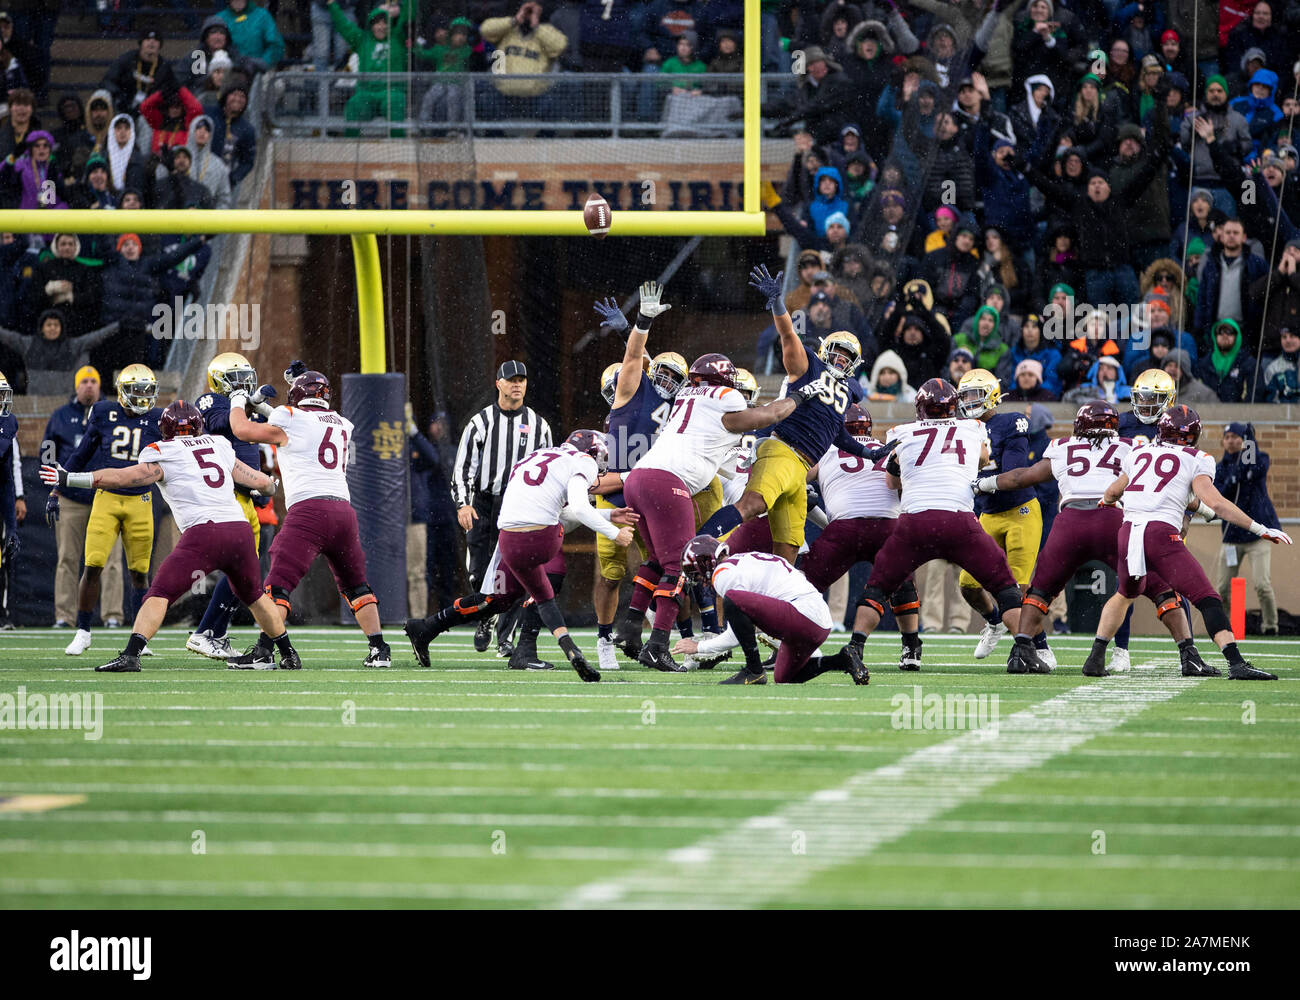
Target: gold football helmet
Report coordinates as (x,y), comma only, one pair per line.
(1154,392)
(668,373)
(137,389)
(608,382)
(748,385)
(978,392)
(6,396)
(230,371)
(841,352)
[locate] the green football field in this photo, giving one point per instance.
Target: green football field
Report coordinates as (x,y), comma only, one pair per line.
(470,785)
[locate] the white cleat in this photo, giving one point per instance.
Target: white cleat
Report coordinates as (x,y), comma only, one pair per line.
(989,639)
(1119,661)
(79,644)
(146,651)
(203,644)
(606,655)
(1046,657)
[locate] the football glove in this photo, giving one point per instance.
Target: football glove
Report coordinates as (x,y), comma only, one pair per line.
(239,399)
(295,369)
(650,305)
(52,509)
(268,492)
(986,484)
(1274,535)
(54,475)
(259,399)
(611,315)
(804,394)
(768,286)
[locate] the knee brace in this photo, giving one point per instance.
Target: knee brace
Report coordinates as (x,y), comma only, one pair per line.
(1038,599)
(905,600)
(472,604)
(359,597)
(279,596)
(1168,602)
(1009,599)
(655,572)
(669,587)
(873,598)
(1216,619)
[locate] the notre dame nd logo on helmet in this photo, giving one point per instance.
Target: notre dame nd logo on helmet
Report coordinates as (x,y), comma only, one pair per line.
(389,439)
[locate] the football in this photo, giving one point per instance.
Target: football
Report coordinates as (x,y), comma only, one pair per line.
(596,216)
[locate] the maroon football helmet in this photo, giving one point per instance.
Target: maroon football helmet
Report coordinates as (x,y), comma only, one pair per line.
(857,421)
(1096,420)
(701,555)
(936,400)
(591,443)
(311,386)
(714,369)
(180,419)
(1180,425)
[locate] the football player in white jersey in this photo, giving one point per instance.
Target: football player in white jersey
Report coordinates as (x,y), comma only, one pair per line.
(547,492)
(312,449)
(763,591)
(708,418)
(935,460)
(1083,465)
(1155,483)
(195,472)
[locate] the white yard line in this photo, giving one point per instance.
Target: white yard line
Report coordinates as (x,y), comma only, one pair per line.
(768,857)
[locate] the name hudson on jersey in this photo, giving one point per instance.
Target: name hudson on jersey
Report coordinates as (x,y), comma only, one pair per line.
(102,954)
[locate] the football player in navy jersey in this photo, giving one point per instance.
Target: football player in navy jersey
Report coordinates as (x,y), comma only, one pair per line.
(115,432)
(226,373)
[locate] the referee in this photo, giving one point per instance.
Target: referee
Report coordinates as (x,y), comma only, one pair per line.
(495,439)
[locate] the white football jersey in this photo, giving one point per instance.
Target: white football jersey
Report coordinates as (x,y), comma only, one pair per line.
(693,443)
(538,487)
(198,478)
(1083,469)
(853,487)
(1160,481)
(771,576)
(939,459)
(315,461)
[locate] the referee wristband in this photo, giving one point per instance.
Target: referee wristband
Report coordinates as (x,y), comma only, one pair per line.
(643,321)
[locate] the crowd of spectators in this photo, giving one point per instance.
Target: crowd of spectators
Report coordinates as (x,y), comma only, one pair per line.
(1064,192)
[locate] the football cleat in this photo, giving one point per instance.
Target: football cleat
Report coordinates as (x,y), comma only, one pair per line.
(524,656)
(857,669)
(606,657)
(989,639)
(766,640)
(1194,666)
(579,663)
(911,658)
(482,635)
(747,676)
(628,639)
(290,660)
(505,649)
(79,644)
(1095,665)
(112,623)
(205,645)
(146,651)
(1023,659)
(658,658)
(770,662)
(1245,672)
(1120,661)
(63,623)
(122,665)
(255,657)
(421,634)
(1046,657)
(381,656)
(695,661)
(1060,626)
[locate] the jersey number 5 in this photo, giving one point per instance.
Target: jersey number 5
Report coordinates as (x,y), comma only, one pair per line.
(210,467)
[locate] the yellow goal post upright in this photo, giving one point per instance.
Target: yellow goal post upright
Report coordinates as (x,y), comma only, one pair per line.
(363,225)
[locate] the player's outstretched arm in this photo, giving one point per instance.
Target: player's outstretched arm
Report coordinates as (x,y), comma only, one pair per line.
(1015,479)
(1203,488)
(754,417)
(134,475)
(583,512)
(610,482)
(793,355)
(253,478)
(249,430)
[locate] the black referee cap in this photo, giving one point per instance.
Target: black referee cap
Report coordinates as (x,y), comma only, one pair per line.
(510,369)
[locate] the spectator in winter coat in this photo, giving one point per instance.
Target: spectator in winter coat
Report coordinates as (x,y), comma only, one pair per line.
(1226,276)
(20,121)
(28,172)
(889,380)
(1162,342)
(851,268)
(63,281)
(1032,347)
(869,68)
(178,189)
(1227,126)
(206,167)
(1027,384)
(234,139)
(1228,369)
(1026,116)
(51,350)
(1047,39)
(983,340)
(1165,273)
(1191,390)
(1282,286)
(1263,116)
(1105,381)
(125,162)
(808,264)
(130,292)
(1204,219)
(166,117)
(825,97)
(950,272)
(1242,477)
(960,361)
(1260,31)
(951,177)
(1282,376)
(253,33)
(1007,205)
(137,73)
(214,37)
(1148,216)
(923,348)
(837,21)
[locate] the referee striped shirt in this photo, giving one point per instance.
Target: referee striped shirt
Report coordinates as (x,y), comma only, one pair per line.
(492,442)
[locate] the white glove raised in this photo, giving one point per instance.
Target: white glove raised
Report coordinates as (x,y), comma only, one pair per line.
(239,399)
(650,306)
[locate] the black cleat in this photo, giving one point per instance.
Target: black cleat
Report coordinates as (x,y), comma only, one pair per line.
(1245,672)
(584,669)
(255,657)
(482,636)
(525,656)
(658,658)
(421,634)
(122,665)
(505,649)
(747,676)
(1095,666)
(1023,659)
(770,662)
(381,656)
(709,662)
(857,669)
(628,639)
(290,660)
(1194,666)
(911,658)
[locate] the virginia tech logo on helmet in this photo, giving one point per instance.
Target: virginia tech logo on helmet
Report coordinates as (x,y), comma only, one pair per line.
(389,440)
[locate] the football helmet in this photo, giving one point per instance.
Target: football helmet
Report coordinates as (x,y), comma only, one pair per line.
(936,400)
(748,385)
(978,392)
(6,396)
(1153,393)
(310,389)
(668,373)
(857,421)
(1096,420)
(137,389)
(701,555)
(841,352)
(180,419)
(608,382)
(713,369)
(1180,425)
(591,443)
(230,371)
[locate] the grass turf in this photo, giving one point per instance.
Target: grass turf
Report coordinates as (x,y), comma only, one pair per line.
(472,785)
